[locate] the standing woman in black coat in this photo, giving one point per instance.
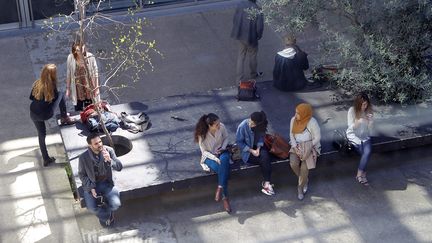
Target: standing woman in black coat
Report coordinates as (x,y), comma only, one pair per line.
(289,65)
(45,97)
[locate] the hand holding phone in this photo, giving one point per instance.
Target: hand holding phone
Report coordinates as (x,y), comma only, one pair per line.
(106,155)
(220,151)
(99,200)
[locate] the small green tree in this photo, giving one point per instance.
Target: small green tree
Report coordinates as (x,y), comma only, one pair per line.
(127,54)
(383,47)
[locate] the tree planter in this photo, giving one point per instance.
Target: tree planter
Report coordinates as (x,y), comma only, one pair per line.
(122,145)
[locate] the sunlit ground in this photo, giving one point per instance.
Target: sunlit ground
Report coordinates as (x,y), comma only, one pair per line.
(21,192)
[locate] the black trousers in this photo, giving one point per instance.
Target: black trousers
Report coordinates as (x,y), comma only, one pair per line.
(263,160)
(81,104)
(41,127)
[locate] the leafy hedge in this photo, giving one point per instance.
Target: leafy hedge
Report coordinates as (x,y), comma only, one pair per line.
(383,47)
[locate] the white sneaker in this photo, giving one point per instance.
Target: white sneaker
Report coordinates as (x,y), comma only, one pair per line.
(300,194)
(305,189)
(267,190)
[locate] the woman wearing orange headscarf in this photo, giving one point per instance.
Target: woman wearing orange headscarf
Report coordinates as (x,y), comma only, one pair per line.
(305,138)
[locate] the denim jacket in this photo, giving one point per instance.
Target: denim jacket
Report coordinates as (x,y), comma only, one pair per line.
(245,139)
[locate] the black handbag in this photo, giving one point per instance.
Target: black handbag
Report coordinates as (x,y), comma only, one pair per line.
(341,142)
(247,91)
(100,201)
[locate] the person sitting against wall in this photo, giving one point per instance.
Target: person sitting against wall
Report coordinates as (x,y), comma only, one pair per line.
(305,136)
(212,138)
(360,121)
(289,65)
(250,138)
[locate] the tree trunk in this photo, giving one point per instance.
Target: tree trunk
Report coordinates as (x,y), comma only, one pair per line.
(89,79)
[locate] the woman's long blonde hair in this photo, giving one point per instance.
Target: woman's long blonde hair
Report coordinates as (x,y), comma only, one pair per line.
(45,86)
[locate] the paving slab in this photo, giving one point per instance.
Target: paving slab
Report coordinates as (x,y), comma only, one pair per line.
(395,208)
(35,202)
(165,156)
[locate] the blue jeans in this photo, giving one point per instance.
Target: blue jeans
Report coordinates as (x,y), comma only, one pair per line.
(365,150)
(111,197)
(222,170)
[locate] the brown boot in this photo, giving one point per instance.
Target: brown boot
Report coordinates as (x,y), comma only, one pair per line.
(226,205)
(66,121)
(218,194)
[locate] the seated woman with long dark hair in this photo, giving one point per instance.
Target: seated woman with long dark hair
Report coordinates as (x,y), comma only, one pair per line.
(212,138)
(250,139)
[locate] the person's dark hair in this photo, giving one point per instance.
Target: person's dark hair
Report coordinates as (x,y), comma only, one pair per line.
(260,120)
(254,1)
(75,47)
(203,124)
(358,101)
(91,136)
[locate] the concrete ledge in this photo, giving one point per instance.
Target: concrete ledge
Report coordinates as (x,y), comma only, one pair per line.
(237,170)
(165,158)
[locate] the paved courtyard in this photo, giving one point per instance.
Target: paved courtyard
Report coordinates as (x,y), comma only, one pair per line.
(36,204)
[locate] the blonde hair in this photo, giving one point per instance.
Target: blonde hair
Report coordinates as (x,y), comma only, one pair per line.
(44,88)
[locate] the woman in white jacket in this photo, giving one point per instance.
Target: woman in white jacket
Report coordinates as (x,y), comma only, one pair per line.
(305,136)
(359,125)
(77,88)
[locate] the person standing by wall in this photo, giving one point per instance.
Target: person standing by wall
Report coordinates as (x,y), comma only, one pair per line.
(360,121)
(76,77)
(45,97)
(248,30)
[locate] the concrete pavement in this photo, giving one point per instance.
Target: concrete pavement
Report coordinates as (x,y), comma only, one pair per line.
(198,55)
(35,202)
(397,207)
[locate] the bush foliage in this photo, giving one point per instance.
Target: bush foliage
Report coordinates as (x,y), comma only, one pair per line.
(383,47)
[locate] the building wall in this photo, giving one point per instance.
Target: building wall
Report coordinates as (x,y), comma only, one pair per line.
(41,9)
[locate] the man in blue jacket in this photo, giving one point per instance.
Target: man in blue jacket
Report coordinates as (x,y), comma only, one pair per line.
(95,171)
(247,29)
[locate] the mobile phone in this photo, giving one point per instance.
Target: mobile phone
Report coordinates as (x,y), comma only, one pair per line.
(99,200)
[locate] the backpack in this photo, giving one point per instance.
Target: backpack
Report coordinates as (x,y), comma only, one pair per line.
(90,111)
(247,91)
(341,142)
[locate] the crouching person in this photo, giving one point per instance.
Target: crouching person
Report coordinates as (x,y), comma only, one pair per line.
(94,170)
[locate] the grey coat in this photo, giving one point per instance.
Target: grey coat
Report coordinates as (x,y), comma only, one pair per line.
(86,170)
(245,27)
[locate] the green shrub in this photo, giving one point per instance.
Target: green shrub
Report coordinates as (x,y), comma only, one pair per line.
(381,46)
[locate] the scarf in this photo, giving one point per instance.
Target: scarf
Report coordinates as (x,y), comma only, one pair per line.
(305,112)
